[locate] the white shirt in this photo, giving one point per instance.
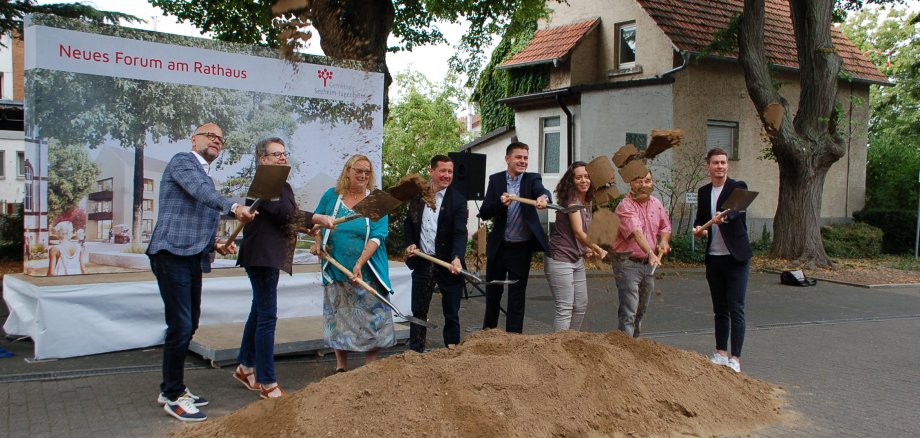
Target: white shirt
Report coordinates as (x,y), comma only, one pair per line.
(430,224)
(717,246)
(204,163)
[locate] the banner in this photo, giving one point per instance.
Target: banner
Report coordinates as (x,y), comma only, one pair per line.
(107,107)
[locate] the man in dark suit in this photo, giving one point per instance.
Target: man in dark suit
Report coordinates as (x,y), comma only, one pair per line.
(440,232)
(179,251)
(728,258)
(267,248)
(516,234)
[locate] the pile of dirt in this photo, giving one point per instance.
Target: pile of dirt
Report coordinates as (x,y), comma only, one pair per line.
(499,384)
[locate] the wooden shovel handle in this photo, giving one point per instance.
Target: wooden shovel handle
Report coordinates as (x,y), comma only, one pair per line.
(336,222)
(239,226)
(527,201)
(708,224)
(431,258)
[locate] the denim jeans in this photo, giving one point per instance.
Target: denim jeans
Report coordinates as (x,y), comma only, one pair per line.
(727,280)
(569,285)
(424,280)
(635,284)
(179,281)
(257,349)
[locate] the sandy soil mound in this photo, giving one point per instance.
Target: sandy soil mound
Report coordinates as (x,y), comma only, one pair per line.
(498,384)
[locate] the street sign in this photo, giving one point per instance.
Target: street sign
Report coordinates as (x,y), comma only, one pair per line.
(690,198)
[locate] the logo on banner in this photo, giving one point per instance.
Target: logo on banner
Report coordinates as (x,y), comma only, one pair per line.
(325,75)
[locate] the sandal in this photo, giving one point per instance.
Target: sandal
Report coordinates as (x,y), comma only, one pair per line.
(247,379)
(340,370)
(273,392)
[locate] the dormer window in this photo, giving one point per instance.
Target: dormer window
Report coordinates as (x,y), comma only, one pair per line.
(626,45)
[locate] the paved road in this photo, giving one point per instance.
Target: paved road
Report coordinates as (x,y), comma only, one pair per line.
(847,357)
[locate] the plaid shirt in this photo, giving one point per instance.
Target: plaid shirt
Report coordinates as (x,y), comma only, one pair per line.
(189,210)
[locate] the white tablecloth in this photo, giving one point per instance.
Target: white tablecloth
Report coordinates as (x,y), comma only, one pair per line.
(83,319)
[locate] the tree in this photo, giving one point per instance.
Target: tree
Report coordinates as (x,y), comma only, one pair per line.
(422,124)
(807,143)
(893,44)
(70,179)
(12,12)
(358,29)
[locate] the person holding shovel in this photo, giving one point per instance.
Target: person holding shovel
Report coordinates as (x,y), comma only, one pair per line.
(643,238)
(439,231)
(516,233)
(354,320)
(728,258)
(568,245)
(266,249)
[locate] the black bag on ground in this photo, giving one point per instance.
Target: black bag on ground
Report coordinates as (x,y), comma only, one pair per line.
(796,278)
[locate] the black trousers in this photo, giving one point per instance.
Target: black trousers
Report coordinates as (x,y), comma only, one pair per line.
(727,280)
(511,263)
(425,277)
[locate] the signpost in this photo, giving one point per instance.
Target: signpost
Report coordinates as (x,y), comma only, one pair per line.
(690,198)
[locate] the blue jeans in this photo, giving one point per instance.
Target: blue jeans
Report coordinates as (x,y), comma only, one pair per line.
(257,349)
(179,281)
(425,277)
(728,279)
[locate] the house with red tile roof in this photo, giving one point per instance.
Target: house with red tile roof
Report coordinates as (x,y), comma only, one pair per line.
(620,68)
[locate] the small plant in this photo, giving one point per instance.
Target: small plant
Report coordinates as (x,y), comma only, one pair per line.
(852,240)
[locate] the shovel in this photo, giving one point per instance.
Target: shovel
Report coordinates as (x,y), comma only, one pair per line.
(739,201)
(380,203)
(373,292)
(267,184)
(471,276)
(556,207)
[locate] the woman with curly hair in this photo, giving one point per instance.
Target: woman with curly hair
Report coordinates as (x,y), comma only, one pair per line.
(568,247)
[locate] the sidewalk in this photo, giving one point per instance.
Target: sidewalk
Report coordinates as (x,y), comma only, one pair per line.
(846,356)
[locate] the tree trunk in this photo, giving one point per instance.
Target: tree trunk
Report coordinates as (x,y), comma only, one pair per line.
(357,30)
(806,146)
(137,218)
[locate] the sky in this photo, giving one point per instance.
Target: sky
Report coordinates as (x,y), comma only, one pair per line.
(431,61)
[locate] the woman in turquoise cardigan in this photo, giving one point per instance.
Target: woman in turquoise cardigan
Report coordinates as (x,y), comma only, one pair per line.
(354,320)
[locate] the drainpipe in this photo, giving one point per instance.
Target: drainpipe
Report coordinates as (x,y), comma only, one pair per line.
(686,57)
(569,131)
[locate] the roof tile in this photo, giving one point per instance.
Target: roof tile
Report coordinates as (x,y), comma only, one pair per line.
(552,43)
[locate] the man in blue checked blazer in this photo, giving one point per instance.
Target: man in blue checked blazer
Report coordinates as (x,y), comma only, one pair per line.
(179,251)
(516,234)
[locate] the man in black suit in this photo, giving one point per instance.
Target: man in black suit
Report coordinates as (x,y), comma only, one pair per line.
(440,232)
(516,233)
(728,258)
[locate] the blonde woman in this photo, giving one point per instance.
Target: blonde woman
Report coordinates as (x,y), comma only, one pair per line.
(354,320)
(65,258)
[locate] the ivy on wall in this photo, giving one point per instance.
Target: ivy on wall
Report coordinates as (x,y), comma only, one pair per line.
(497,84)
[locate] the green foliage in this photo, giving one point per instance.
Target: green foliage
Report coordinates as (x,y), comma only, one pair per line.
(11,236)
(421,124)
(852,241)
(688,171)
(899,225)
(681,252)
(12,12)
(724,41)
(762,245)
(497,84)
(70,179)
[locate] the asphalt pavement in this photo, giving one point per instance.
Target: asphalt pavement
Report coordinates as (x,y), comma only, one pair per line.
(847,357)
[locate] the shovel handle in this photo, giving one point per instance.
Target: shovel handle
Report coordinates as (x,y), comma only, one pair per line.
(431,258)
(239,226)
(336,222)
(527,201)
(709,223)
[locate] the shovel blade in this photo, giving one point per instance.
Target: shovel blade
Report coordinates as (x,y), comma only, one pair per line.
(376,205)
(268,182)
(562,209)
(501,282)
(421,322)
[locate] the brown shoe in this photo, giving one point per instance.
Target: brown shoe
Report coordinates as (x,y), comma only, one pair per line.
(273,392)
(247,379)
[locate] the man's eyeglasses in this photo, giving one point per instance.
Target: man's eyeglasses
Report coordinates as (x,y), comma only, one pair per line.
(212,136)
(278,154)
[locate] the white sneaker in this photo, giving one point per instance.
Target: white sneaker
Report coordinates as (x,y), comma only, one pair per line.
(718,359)
(184,409)
(199,401)
(734,365)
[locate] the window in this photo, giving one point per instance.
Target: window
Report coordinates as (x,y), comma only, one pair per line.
(21,164)
(148,185)
(721,134)
(101,207)
(147,226)
(27,201)
(2,164)
(102,228)
(148,205)
(104,185)
(551,153)
(626,45)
